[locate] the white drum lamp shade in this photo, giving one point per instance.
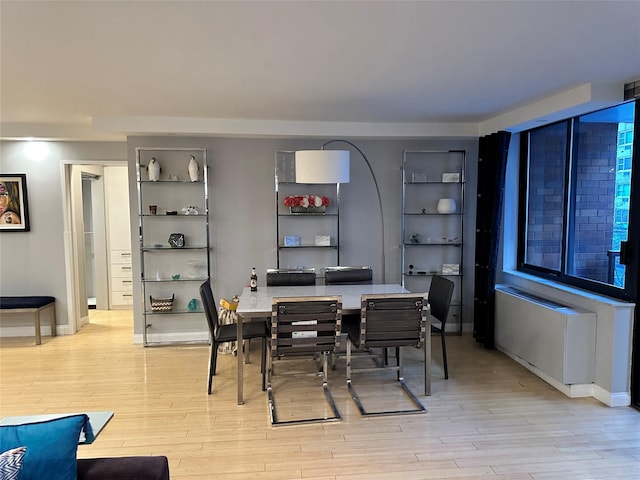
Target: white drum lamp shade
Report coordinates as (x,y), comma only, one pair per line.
(332,166)
(322,166)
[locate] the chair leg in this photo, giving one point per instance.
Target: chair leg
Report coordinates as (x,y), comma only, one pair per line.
(214,359)
(348,361)
(419,408)
(262,363)
(324,360)
(444,355)
(212,366)
(270,399)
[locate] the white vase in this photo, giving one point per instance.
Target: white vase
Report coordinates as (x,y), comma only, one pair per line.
(153,169)
(446,205)
(193,169)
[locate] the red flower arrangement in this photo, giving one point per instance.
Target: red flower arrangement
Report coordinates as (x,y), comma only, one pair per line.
(306,201)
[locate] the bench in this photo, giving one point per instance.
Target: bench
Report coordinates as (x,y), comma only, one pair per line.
(33,305)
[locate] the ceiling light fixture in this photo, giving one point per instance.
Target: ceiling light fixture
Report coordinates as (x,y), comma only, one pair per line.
(36,150)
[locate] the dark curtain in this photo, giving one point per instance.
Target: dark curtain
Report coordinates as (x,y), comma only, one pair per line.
(492,161)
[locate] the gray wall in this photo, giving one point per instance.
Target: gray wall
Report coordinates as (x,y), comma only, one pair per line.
(242,206)
(33,263)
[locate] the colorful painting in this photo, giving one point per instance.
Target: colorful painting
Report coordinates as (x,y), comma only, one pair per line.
(14,211)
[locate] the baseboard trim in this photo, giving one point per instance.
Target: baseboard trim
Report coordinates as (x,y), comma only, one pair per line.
(618,399)
(175,337)
(25,331)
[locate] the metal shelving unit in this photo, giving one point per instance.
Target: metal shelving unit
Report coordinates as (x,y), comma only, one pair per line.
(433,232)
(166,271)
(305,253)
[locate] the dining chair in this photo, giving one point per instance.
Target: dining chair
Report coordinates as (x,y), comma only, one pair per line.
(388,320)
(304,326)
(440,293)
(228,333)
(348,275)
(288,277)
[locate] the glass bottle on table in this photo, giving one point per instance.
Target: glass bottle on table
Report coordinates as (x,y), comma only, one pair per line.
(253,282)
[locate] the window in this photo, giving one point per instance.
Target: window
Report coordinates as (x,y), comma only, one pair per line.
(546,196)
(575,196)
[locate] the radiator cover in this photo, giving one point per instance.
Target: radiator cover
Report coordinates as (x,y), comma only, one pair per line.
(555,339)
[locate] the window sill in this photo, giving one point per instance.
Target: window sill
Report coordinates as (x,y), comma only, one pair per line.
(559,291)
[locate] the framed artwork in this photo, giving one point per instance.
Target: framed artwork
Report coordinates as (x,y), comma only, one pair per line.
(14,208)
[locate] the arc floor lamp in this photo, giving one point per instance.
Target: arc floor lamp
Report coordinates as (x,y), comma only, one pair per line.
(332,166)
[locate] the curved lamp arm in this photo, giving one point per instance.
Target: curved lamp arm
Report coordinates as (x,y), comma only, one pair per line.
(375,182)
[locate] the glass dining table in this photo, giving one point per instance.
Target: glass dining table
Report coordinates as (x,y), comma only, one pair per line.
(257,305)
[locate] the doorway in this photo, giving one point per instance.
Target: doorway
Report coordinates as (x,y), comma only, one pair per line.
(88,191)
(95,248)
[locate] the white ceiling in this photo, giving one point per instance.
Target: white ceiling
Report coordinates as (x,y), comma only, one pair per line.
(69,66)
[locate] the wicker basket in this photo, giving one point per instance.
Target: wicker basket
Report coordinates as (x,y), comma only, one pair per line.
(161,304)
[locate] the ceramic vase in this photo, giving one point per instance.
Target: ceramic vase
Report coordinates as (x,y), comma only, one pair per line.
(153,169)
(446,205)
(193,169)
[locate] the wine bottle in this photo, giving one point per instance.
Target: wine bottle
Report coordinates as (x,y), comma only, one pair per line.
(253,283)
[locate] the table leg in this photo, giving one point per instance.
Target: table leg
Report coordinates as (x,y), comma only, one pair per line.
(240,356)
(427,361)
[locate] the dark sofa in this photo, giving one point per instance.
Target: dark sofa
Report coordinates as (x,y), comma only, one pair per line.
(124,468)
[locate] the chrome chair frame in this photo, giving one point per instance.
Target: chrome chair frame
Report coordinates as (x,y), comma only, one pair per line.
(304,326)
(389,320)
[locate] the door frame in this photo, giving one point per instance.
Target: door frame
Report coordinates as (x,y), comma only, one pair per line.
(74,236)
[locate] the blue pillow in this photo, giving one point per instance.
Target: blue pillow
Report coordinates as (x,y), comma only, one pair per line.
(51,447)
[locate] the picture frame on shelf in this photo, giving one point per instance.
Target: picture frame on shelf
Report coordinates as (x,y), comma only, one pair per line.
(177,240)
(450,269)
(452,177)
(418,177)
(292,241)
(323,240)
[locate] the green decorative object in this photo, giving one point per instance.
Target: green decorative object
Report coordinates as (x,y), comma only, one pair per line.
(193,304)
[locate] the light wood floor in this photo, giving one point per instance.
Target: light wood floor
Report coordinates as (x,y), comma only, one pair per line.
(491,419)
